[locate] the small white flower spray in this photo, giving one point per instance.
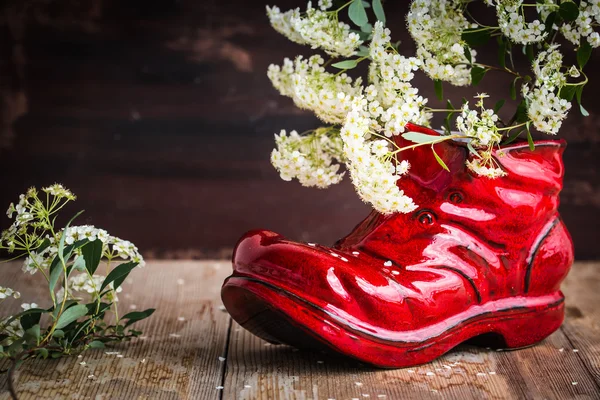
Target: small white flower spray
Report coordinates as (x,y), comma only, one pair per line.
(79,297)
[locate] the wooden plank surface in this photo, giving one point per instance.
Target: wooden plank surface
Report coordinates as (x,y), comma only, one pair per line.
(178,358)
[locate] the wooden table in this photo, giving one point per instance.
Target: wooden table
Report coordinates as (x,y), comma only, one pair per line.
(191,349)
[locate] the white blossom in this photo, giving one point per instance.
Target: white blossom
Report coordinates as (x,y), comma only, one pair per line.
(374,177)
(316,28)
(6,292)
(310,158)
(312,88)
(28,306)
(512,23)
(479,125)
(12,330)
(480,168)
(546,109)
(436,26)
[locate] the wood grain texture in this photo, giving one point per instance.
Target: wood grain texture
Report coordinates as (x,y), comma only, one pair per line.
(179,359)
(176,358)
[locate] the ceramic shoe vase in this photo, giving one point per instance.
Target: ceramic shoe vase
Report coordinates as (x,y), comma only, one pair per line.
(479,256)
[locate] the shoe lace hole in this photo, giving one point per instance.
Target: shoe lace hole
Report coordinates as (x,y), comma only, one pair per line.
(456,198)
(426,218)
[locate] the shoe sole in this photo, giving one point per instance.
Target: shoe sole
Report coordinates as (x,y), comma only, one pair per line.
(281,317)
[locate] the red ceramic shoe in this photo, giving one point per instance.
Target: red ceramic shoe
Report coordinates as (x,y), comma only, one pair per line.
(479,256)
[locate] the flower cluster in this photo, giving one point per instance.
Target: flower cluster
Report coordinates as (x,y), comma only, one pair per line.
(10,330)
(309,158)
(512,23)
(112,247)
(546,109)
(305,80)
(373,175)
(68,259)
(6,292)
(84,283)
(316,28)
(392,100)
(436,26)
(479,125)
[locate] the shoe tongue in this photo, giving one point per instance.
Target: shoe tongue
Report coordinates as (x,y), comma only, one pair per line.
(424,167)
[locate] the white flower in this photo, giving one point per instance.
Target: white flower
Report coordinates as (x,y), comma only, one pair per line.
(512,23)
(60,191)
(325,4)
(28,306)
(8,292)
(481,126)
(307,83)
(374,177)
(316,28)
(13,331)
(436,26)
(476,165)
(309,158)
(546,109)
(402,167)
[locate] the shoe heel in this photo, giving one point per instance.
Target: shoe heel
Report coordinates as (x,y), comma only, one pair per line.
(527,329)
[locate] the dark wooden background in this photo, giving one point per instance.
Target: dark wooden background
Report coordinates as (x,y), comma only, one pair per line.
(159,115)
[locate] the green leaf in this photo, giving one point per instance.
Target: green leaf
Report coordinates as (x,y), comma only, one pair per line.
(31,317)
(79,264)
(346,64)
(439,89)
(439,160)
(357,13)
(513,89)
(475,37)
(363,51)
(418,137)
(530,139)
(499,105)
(583,53)
(579,92)
(378,10)
(137,316)
(45,244)
(521,113)
(568,92)
(118,275)
(569,11)
(32,334)
(71,314)
(513,137)
(529,52)
(472,149)
(366,28)
(550,20)
(58,333)
(502,53)
(477,74)
(92,252)
(468,53)
(43,352)
(96,344)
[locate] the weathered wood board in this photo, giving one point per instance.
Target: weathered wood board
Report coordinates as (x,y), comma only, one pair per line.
(191,350)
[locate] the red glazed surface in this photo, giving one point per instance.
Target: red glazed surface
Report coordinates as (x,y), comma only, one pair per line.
(479,256)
